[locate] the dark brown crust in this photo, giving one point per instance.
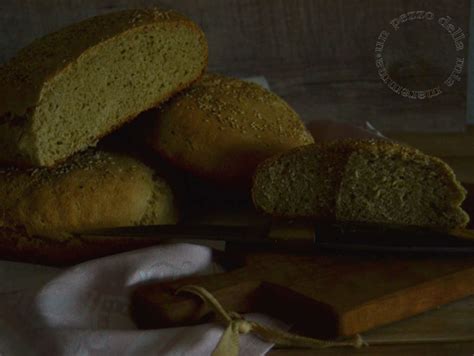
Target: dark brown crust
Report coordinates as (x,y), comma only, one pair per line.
(243,164)
(237,184)
(15,245)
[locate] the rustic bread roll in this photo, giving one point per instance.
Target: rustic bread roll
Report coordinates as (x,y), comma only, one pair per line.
(66,90)
(222,128)
(93,190)
(361,180)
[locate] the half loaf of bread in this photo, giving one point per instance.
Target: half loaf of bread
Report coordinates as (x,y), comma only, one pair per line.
(221,128)
(64,91)
(361,180)
(39,207)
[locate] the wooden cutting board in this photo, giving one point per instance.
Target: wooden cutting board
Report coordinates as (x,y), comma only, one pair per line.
(323,295)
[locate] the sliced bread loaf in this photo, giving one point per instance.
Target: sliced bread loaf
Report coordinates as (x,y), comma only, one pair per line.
(222,128)
(361,180)
(92,190)
(66,90)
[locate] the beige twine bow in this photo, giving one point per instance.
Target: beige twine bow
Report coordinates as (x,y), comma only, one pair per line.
(229,343)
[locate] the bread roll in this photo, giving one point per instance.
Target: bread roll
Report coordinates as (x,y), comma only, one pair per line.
(39,207)
(66,90)
(222,128)
(361,180)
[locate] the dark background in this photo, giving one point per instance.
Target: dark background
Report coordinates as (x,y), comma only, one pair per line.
(317,54)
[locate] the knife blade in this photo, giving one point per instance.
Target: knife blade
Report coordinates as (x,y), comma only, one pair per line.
(338,236)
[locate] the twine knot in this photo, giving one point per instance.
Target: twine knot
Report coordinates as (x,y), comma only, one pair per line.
(243,326)
(228,345)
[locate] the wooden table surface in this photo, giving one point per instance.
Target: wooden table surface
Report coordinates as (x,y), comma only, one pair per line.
(448,330)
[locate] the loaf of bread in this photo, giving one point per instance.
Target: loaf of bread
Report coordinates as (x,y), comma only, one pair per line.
(64,91)
(94,189)
(222,128)
(361,180)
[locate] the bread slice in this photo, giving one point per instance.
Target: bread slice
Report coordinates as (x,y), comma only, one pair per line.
(361,180)
(64,91)
(222,128)
(40,207)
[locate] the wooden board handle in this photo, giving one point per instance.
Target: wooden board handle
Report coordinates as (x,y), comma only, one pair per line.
(158,305)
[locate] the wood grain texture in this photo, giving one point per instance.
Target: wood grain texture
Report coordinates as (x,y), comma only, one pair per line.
(442,144)
(317,54)
(449,323)
(347,294)
(431,349)
(456,149)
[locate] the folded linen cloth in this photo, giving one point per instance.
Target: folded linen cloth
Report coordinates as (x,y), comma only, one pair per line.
(83,310)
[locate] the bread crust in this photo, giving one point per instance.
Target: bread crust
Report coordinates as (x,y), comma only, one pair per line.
(221,128)
(18,245)
(25,75)
(94,189)
(341,150)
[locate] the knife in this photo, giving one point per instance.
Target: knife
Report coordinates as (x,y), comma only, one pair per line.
(338,236)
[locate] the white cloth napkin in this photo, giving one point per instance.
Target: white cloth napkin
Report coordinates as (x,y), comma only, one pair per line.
(83,310)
